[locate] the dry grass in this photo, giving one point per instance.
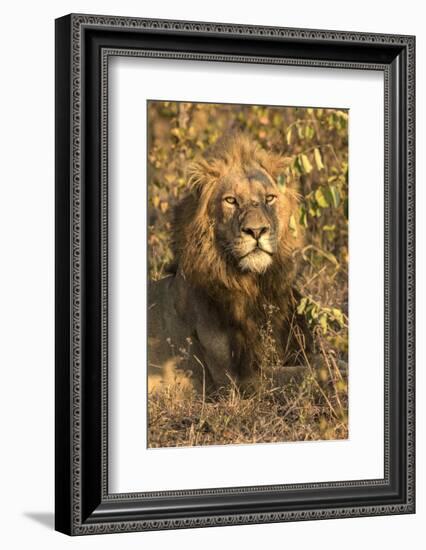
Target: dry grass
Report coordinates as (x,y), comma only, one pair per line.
(308,409)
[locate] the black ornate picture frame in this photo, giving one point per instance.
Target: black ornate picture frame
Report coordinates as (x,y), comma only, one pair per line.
(84,43)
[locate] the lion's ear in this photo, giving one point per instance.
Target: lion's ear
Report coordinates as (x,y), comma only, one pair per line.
(200,173)
(275,165)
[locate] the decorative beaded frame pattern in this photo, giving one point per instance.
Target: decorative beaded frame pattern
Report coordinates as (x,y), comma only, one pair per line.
(78,23)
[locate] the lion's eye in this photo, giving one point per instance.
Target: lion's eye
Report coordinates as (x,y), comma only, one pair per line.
(231,200)
(270,198)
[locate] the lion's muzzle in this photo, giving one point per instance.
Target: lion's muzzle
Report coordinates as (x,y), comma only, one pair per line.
(256,243)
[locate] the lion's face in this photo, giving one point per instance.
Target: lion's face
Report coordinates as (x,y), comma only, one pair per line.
(236,219)
(247,222)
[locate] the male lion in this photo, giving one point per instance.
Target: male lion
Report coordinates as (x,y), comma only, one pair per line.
(230,294)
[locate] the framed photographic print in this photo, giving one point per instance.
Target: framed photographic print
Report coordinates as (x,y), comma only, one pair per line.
(234,274)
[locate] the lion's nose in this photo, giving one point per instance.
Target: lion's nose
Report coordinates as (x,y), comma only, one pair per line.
(255,232)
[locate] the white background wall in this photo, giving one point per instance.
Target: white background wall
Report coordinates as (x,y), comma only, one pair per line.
(27,262)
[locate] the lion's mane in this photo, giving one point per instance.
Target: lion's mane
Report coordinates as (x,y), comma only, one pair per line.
(241,297)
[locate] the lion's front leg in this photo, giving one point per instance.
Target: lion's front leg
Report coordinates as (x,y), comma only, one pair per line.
(217,353)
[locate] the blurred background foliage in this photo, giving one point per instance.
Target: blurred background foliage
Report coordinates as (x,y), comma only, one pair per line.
(316,139)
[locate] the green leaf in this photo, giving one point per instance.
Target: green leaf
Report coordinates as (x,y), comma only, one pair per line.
(338,315)
(298,165)
(335,196)
(307,166)
(281,181)
(346,208)
(314,312)
(320,198)
(330,257)
(323,323)
(293,225)
(303,217)
(277,120)
(318,159)
(309,132)
(302,305)
(289,135)
(342,114)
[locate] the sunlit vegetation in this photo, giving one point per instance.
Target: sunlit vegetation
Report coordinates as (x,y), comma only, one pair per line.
(316,140)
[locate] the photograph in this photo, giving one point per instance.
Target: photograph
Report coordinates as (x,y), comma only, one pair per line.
(248,263)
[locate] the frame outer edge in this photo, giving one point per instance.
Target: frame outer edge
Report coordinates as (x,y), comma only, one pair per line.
(77,22)
(63,494)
